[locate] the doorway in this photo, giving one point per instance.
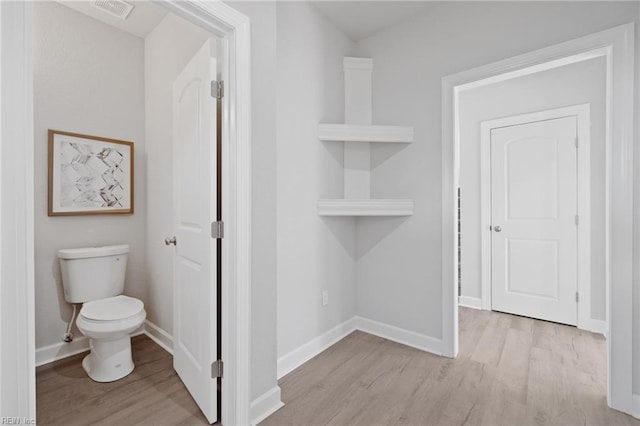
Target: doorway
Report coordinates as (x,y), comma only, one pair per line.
(619,185)
(233,27)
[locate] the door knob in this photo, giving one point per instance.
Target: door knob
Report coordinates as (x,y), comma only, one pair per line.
(495,228)
(168,241)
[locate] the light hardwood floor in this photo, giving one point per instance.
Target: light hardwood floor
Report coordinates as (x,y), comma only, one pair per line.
(510,371)
(151,395)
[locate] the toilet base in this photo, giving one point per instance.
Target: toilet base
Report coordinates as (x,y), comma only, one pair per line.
(109,360)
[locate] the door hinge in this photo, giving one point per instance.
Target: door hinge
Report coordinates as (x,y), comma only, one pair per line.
(577,220)
(217,369)
(217,89)
(577,144)
(217,229)
(577,296)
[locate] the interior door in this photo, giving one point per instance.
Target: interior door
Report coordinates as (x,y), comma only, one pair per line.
(195,200)
(533,213)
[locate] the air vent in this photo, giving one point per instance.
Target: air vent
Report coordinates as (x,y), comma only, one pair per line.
(117,8)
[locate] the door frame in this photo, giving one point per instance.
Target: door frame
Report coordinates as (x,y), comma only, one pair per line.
(616,45)
(17,295)
(583,119)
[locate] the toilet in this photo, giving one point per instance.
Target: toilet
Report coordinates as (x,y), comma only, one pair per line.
(94,276)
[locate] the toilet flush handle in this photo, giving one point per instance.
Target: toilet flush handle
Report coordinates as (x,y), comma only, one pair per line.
(168,241)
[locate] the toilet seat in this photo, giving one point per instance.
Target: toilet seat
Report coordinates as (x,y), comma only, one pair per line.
(111,309)
(111,318)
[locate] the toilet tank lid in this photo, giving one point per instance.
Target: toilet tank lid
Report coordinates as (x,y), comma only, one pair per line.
(87,252)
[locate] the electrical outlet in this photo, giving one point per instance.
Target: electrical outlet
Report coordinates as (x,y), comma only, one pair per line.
(325,297)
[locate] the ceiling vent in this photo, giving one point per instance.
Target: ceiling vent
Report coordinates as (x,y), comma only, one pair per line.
(117,8)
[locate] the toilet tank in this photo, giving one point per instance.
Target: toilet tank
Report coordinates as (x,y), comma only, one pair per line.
(93,273)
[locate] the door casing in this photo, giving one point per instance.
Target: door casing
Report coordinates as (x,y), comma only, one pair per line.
(616,45)
(583,116)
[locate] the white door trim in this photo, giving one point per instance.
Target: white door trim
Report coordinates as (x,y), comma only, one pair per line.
(617,46)
(17,360)
(583,116)
(234,28)
(17,300)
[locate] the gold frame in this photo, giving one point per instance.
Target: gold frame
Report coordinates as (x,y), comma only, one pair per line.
(50,208)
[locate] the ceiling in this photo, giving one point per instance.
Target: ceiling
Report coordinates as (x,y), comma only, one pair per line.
(144,17)
(361,19)
(356,19)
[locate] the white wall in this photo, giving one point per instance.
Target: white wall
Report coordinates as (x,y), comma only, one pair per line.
(314,253)
(399,279)
(167,49)
(574,84)
(263,187)
(88,78)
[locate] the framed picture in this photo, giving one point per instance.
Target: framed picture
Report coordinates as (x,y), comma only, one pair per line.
(89,175)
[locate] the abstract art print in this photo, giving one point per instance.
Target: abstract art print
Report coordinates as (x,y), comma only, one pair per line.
(89,175)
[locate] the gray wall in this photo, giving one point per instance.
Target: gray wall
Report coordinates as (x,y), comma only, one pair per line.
(88,78)
(314,253)
(399,279)
(580,83)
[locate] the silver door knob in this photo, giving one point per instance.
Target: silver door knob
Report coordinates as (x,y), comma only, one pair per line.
(169,241)
(495,228)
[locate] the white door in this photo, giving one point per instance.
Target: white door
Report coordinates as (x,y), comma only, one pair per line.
(533,214)
(195,198)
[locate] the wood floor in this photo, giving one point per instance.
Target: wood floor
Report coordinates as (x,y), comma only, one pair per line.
(510,371)
(151,395)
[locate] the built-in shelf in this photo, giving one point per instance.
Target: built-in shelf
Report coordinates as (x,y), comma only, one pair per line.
(371,207)
(357,134)
(365,133)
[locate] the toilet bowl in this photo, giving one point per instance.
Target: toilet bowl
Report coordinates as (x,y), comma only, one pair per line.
(108,323)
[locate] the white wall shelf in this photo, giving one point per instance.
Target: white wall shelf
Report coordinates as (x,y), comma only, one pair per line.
(357,134)
(365,133)
(379,207)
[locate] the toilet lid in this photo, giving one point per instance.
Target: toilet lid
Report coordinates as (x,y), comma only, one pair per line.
(112,308)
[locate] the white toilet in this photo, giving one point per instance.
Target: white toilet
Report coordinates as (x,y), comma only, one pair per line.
(94,276)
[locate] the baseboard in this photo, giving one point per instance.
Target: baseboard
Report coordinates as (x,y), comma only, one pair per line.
(470,302)
(158,335)
(400,335)
(598,326)
(636,405)
(594,326)
(265,405)
(62,350)
(289,362)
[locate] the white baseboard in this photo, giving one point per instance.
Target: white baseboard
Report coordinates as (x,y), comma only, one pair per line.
(597,326)
(62,350)
(265,405)
(289,362)
(158,335)
(470,302)
(400,335)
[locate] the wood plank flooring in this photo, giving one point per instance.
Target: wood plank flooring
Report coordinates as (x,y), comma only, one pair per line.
(151,395)
(510,371)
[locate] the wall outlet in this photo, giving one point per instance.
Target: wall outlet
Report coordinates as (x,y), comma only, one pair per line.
(325,297)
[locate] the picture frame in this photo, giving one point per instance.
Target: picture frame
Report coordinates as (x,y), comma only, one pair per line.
(89,175)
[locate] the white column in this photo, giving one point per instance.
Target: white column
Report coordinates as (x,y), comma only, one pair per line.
(357,110)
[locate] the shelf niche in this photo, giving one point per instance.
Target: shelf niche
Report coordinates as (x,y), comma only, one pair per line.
(358,133)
